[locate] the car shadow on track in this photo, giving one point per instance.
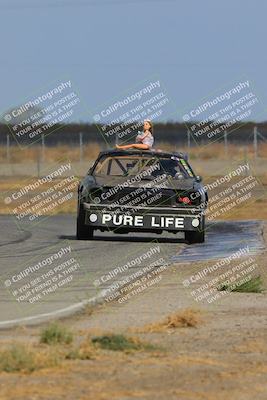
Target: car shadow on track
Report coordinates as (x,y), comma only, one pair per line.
(126,239)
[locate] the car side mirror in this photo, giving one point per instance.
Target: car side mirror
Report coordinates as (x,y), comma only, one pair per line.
(199,178)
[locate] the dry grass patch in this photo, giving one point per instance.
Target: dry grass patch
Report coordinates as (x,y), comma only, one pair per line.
(90,151)
(85,351)
(51,154)
(21,358)
(188,318)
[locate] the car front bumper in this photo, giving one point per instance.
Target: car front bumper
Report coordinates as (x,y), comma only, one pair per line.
(107,216)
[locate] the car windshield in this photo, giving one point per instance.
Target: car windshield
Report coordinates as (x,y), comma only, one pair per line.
(145,166)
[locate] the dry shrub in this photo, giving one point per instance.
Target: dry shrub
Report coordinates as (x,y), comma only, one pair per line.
(56,333)
(85,351)
(119,342)
(187,318)
(19,357)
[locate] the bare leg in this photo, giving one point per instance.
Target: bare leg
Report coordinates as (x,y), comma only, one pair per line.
(140,146)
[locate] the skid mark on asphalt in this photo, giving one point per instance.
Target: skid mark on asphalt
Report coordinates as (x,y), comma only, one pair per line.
(223,239)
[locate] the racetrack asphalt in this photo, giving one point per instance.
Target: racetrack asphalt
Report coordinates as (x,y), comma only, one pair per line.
(63,291)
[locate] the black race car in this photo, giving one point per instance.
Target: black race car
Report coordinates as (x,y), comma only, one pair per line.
(141,191)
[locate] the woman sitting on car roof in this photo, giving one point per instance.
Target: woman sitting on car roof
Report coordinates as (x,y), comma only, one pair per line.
(144,141)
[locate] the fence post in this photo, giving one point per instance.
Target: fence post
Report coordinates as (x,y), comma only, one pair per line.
(255,141)
(8,148)
(225,144)
(245,151)
(43,148)
(81,146)
(38,161)
(188,139)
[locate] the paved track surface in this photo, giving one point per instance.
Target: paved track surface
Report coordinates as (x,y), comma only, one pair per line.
(22,247)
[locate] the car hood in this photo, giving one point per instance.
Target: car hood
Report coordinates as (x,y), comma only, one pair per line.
(181,184)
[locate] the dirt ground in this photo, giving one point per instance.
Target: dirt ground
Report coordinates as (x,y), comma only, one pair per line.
(223,357)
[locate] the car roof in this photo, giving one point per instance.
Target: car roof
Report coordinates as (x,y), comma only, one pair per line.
(152,152)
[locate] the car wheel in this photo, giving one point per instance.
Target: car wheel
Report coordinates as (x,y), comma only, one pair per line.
(83,231)
(195,236)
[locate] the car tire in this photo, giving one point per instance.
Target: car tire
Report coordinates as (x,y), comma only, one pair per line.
(195,236)
(83,231)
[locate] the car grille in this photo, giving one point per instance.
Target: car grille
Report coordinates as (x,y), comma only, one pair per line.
(139,196)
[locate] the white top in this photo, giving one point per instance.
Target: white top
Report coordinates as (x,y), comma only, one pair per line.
(145,138)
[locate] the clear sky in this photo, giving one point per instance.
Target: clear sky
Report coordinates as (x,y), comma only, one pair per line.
(107,46)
